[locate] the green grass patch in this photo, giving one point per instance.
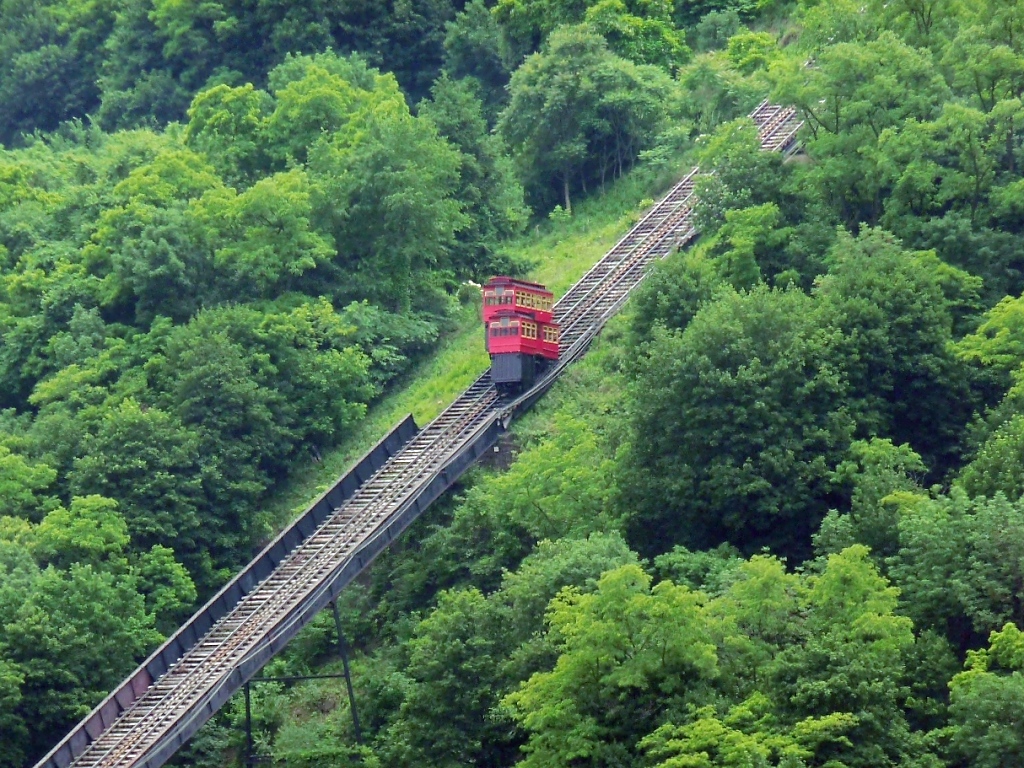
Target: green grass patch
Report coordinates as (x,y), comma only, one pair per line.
(559,253)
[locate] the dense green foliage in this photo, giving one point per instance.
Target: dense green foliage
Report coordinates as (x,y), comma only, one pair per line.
(773,519)
(832,373)
(225,229)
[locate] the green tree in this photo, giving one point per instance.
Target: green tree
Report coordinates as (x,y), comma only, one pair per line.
(714,92)
(264,238)
(167,586)
(15,732)
(52,54)
(23,486)
(746,231)
(738,175)
(147,461)
(985,704)
(995,353)
(755,616)
(472,46)
(138,85)
(17,573)
(626,651)
(228,126)
(851,660)
(74,636)
(896,311)
(827,24)
(90,532)
(553,103)
(705,570)
(469,651)
(986,70)
(319,103)
(635,103)
(748,735)
(856,91)
(209,385)
(526,592)
(389,202)
(561,496)
(750,51)
(997,468)
(958,565)
(688,12)
(673,292)
(874,471)
(454,662)
(738,422)
(247,390)
(491,194)
(648,39)
(998,341)
(715,28)
(146,245)
(575,100)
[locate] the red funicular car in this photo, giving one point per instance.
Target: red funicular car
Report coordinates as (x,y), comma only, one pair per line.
(522,335)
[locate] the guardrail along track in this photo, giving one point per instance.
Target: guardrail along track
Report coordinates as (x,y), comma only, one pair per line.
(156,710)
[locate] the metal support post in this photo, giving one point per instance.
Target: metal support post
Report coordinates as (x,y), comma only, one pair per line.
(249,756)
(343,650)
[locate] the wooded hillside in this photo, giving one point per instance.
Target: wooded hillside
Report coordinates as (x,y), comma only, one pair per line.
(774,519)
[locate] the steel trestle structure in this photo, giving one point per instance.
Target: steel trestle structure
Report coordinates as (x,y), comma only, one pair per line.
(183,683)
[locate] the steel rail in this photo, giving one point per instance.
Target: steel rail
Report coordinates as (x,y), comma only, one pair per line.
(178,701)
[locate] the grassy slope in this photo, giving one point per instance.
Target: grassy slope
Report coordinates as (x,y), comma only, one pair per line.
(562,251)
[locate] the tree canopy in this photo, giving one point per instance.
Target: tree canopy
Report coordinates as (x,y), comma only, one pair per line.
(773,518)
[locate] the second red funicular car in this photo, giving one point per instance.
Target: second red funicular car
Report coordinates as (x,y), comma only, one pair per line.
(522,335)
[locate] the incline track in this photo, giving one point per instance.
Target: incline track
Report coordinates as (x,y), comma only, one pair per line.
(177,703)
(776,126)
